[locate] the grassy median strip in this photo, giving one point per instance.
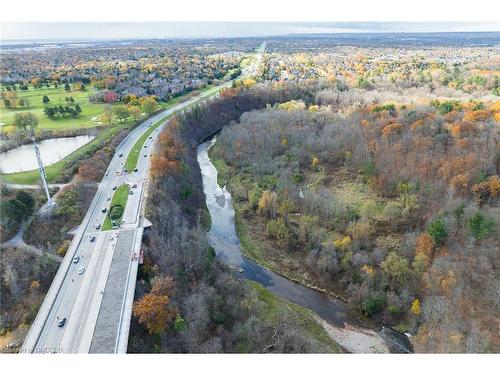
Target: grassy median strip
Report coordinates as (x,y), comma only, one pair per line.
(120,198)
(135,152)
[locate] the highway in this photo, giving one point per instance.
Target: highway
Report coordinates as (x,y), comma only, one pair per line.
(94,286)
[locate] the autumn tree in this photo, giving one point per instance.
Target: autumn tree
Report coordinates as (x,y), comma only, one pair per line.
(425,245)
(121,112)
(134,111)
(149,105)
(107,115)
(153,309)
(268,204)
(396,268)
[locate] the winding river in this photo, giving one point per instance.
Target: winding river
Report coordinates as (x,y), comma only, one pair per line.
(225,241)
(52,150)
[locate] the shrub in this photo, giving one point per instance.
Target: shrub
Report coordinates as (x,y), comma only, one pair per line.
(278,229)
(373,303)
(115,212)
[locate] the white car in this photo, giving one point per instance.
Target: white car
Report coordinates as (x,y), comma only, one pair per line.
(76,259)
(81,270)
(108,198)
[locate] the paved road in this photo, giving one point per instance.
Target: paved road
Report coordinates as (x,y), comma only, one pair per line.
(97,301)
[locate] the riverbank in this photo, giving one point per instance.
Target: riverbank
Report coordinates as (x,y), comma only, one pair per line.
(309,324)
(255,245)
(332,314)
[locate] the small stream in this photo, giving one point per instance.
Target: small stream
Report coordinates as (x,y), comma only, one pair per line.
(225,241)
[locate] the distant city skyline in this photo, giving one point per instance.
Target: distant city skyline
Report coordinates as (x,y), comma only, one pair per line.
(46,31)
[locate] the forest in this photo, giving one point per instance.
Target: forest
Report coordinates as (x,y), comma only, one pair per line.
(391,206)
(186,299)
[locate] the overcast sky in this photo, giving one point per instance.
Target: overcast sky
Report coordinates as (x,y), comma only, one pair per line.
(129,30)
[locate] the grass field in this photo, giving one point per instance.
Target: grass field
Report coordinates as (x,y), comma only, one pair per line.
(53,170)
(120,197)
(87,118)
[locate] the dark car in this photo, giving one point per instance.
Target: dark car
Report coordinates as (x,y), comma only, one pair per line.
(120,155)
(135,170)
(92,239)
(61,322)
(104,210)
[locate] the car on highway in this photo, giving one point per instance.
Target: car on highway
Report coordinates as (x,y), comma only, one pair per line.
(104,210)
(98,226)
(76,259)
(135,170)
(134,185)
(131,192)
(150,137)
(145,155)
(114,188)
(61,322)
(108,198)
(81,270)
(92,239)
(120,155)
(145,146)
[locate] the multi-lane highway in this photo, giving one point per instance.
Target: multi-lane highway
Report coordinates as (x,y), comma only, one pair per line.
(89,304)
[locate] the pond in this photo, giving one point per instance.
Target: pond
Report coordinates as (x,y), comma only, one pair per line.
(225,241)
(23,158)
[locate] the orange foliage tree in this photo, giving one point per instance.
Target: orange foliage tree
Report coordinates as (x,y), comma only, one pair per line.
(153,309)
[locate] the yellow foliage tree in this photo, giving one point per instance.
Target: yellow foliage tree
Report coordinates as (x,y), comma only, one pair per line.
(415,307)
(342,243)
(315,161)
(369,270)
(249,82)
(268,203)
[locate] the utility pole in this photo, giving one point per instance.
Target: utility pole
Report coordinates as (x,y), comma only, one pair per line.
(43,175)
